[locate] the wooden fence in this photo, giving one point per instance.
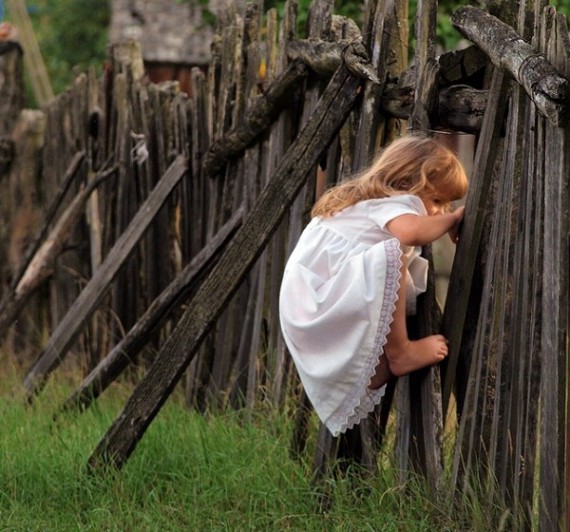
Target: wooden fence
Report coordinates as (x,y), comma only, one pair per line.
(167,219)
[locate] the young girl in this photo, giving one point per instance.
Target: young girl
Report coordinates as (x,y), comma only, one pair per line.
(355,274)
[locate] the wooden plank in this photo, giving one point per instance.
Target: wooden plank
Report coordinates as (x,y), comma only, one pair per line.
(93,150)
(480,423)
(195,217)
(96,336)
(253,166)
(258,118)
(243,379)
(11,105)
(12,86)
(500,357)
(124,202)
(457,301)
(237,184)
(535,132)
(230,34)
(387,35)
(471,440)
(281,136)
(41,266)
(57,154)
(554,430)
(124,434)
(126,351)
(301,422)
(427,70)
(20,221)
(266,307)
(325,455)
(521,406)
(546,87)
(70,175)
(380,37)
(423,443)
(519,439)
(319,25)
(70,326)
(403,428)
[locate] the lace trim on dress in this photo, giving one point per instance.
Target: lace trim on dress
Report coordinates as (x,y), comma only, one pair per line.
(362,400)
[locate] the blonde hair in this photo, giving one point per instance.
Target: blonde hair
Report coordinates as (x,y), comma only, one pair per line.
(409,165)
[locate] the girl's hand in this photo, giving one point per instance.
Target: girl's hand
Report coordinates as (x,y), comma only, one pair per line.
(414,230)
(455,231)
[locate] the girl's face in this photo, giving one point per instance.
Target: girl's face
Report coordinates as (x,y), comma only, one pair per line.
(434,206)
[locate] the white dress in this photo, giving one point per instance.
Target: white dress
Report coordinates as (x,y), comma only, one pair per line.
(336,303)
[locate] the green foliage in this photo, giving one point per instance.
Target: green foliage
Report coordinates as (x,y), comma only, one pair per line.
(348,8)
(71,34)
(447,35)
(562,6)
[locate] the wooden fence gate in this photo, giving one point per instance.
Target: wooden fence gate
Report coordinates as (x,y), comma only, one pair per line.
(166,220)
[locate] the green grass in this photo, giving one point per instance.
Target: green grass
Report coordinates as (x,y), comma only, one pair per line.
(225,472)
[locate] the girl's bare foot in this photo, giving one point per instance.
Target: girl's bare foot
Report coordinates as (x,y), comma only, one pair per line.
(402,355)
(416,354)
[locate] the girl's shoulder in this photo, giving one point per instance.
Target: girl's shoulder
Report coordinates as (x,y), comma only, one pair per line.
(397,201)
(382,210)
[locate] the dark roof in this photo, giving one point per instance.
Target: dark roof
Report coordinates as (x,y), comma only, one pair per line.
(169,31)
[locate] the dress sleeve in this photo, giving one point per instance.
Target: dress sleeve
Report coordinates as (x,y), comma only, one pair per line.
(386,209)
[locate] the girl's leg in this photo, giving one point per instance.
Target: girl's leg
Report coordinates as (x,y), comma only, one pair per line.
(402,355)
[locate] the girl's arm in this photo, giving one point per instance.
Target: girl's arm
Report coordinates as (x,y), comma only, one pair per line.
(412,230)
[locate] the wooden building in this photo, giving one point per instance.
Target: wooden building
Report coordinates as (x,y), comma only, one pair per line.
(174,36)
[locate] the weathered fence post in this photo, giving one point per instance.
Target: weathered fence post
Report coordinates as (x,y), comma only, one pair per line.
(70,326)
(21,141)
(420,401)
(554,483)
(128,349)
(11,104)
(11,97)
(513,418)
(159,382)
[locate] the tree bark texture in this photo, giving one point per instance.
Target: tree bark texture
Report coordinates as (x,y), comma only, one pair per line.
(458,107)
(547,88)
(268,106)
